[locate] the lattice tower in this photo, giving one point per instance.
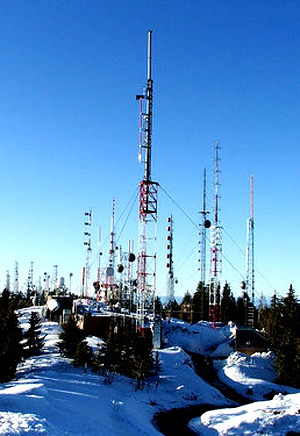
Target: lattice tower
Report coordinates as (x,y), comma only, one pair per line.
(146,262)
(169,264)
(88,244)
(215,247)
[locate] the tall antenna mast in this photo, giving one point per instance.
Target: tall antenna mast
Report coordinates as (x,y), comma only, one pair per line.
(169,264)
(7,286)
(16,278)
(110,270)
(146,265)
(250,248)
(205,225)
(30,285)
(88,243)
(54,278)
(215,249)
(98,285)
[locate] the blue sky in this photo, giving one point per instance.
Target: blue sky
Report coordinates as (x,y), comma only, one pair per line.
(222,70)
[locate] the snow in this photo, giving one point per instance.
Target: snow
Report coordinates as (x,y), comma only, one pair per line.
(200,338)
(51,397)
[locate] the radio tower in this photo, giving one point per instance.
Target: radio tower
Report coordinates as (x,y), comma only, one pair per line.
(98,283)
(30,286)
(205,225)
(215,249)
(88,243)
(169,264)
(16,278)
(146,261)
(250,248)
(250,262)
(110,270)
(54,278)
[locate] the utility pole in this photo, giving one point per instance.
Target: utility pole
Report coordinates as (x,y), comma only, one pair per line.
(146,261)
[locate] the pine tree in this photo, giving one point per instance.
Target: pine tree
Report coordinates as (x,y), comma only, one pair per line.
(200,303)
(70,338)
(158,307)
(34,340)
(172,308)
(126,344)
(288,358)
(280,322)
(11,350)
(186,307)
(83,355)
(109,358)
(228,305)
(143,359)
(240,311)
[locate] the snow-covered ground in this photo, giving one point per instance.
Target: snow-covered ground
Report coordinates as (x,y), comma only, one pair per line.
(51,397)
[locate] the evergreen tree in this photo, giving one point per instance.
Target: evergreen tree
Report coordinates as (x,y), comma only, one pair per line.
(11,350)
(126,345)
(288,357)
(83,355)
(186,307)
(200,303)
(142,359)
(172,308)
(280,322)
(70,338)
(240,311)
(228,305)
(109,357)
(34,341)
(158,307)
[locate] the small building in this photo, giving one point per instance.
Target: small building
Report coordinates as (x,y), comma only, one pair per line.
(95,325)
(249,341)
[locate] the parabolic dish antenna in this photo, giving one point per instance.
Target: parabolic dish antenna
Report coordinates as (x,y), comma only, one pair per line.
(53,305)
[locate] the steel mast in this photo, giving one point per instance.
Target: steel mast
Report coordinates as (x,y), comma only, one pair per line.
(146,261)
(110,270)
(16,278)
(250,248)
(215,249)
(169,264)
(88,243)
(205,225)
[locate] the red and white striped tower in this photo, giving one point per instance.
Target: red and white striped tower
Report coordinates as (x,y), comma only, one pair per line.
(146,260)
(215,249)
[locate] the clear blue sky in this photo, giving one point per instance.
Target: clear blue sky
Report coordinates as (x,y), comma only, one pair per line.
(226,70)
